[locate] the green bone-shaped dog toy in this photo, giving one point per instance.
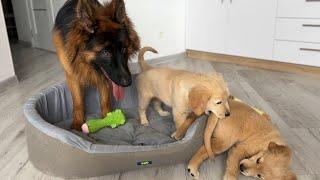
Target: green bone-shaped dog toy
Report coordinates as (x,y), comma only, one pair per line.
(113,120)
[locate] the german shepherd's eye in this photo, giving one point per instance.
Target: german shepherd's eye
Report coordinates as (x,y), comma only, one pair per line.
(258,160)
(219,102)
(105,53)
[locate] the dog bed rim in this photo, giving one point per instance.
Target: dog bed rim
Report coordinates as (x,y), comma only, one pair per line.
(69,138)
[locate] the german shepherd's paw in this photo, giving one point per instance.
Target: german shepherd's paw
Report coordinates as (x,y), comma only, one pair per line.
(193,172)
(77,125)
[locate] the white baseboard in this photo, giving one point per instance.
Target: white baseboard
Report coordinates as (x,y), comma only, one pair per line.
(9,82)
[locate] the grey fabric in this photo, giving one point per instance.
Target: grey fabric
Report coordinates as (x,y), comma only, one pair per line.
(56,108)
(48,117)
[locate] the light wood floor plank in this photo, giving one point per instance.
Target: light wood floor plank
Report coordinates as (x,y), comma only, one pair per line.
(292,100)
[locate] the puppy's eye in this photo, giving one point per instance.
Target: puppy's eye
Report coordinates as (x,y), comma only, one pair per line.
(219,102)
(258,160)
(259,175)
(105,53)
(210,112)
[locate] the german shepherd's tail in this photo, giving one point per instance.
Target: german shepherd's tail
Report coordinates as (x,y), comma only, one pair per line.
(144,66)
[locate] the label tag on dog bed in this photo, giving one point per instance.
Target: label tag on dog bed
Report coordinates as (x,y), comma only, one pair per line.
(144,163)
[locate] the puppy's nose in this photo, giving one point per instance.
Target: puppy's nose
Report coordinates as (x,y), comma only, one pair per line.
(227,114)
(242,168)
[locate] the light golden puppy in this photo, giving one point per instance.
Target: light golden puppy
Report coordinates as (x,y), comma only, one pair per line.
(189,94)
(255,146)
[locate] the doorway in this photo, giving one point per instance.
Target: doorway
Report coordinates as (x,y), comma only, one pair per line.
(29,28)
(10,21)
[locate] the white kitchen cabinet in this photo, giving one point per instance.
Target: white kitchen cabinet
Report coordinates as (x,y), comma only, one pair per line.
(297,35)
(299,8)
(303,30)
(207,25)
(234,27)
(251,28)
(297,52)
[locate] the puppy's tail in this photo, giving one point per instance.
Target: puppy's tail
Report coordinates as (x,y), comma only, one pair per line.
(144,66)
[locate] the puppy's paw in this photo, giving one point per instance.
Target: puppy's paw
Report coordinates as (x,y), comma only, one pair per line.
(145,124)
(175,136)
(164,113)
(193,172)
(229,177)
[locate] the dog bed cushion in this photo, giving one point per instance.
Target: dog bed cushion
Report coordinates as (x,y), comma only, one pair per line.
(57,150)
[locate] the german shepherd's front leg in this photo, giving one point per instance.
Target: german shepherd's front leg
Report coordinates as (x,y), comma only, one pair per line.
(104,99)
(78,105)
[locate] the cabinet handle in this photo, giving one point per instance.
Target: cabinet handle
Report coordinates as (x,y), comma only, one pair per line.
(309,49)
(311,25)
(39,9)
(312,0)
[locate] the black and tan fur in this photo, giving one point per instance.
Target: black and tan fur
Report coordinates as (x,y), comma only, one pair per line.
(91,38)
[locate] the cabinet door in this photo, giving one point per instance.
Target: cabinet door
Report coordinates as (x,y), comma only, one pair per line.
(251,28)
(43,24)
(206,25)
(56,6)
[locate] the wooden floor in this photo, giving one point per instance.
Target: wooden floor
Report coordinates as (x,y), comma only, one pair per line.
(293,101)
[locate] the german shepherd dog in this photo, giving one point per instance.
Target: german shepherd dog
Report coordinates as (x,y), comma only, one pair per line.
(94,43)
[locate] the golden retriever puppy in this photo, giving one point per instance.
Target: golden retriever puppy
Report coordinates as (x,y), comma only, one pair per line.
(254,146)
(189,94)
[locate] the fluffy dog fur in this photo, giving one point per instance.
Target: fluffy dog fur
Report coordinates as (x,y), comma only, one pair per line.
(189,94)
(93,43)
(255,146)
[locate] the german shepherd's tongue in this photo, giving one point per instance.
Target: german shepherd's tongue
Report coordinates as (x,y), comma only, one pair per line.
(117,91)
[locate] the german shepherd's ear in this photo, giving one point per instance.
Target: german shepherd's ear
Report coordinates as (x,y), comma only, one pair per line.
(198,99)
(85,17)
(119,10)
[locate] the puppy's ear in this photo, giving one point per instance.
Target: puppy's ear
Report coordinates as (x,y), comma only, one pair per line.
(279,150)
(119,10)
(198,99)
(84,11)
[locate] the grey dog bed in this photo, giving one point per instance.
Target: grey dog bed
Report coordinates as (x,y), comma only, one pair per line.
(55,149)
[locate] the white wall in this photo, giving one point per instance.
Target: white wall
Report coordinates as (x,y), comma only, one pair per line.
(159,23)
(22,18)
(6,66)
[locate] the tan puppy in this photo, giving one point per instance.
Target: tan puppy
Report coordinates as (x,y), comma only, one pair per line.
(255,146)
(189,94)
